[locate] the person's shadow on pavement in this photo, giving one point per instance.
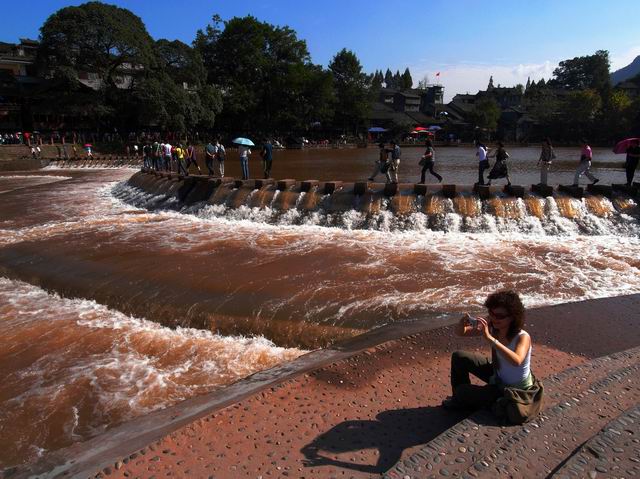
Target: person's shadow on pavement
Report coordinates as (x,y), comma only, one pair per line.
(390,433)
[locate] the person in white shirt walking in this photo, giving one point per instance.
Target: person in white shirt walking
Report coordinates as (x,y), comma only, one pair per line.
(221,155)
(483,162)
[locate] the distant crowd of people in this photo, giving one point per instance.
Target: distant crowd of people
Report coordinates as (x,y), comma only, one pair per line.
(163,156)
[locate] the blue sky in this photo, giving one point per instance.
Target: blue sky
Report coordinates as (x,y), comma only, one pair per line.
(465,40)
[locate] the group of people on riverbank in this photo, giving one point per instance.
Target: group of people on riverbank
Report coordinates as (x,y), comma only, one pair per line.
(388,162)
(163,156)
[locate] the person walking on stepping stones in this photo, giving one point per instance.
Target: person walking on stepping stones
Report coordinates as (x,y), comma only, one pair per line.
(584,167)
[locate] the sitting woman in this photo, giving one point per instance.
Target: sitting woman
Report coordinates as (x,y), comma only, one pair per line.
(508,367)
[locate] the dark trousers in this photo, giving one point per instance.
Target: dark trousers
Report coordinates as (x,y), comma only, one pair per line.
(483,165)
(209,163)
(266,166)
(181,168)
(428,166)
(470,395)
(630,166)
(191,161)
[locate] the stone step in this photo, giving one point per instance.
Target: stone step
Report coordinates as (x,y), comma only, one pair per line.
(613,452)
(578,402)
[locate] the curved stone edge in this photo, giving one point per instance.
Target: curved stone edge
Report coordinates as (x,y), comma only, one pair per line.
(83,459)
(614,450)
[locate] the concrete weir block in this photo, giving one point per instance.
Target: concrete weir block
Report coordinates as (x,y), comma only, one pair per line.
(420,189)
(514,190)
(307,185)
(627,190)
(283,185)
(245,184)
(260,183)
(360,188)
(604,190)
(542,190)
(391,189)
(449,191)
(483,191)
(331,186)
(575,191)
(186,187)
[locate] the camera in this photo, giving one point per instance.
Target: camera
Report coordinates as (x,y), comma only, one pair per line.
(473,322)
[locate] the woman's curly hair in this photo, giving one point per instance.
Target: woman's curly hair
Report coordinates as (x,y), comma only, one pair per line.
(509,300)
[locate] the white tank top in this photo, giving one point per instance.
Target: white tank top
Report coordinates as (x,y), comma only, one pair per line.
(508,372)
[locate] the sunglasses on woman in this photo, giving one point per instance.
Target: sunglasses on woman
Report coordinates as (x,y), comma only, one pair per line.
(498,315)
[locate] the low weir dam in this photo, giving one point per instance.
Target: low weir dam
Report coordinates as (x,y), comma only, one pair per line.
(395,206)
(123,292)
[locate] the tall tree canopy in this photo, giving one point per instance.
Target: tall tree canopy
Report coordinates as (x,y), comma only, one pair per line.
(352,90)
(407,81)
(94,37)
(265,72)
(580,73)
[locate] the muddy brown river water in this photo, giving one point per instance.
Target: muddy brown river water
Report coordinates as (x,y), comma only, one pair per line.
(115,303)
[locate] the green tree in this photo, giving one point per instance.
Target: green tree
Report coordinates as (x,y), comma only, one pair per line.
(618,115)
(265,73)
(578,112)
(407,81)
(388,79)
(109,43)
(205,44)
(351,90)
(486,114)
(95,37)
(397,80)
(376,81)
(581,73)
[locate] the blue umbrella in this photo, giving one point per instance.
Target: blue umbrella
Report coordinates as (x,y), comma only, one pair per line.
(243,141)
(376,129)
(435,128)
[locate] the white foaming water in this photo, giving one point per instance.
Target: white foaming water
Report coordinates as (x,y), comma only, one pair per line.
(550,260)
(553,223)
(90,367)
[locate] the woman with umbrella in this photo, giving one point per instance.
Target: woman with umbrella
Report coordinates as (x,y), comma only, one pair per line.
(245,152)
(632,149)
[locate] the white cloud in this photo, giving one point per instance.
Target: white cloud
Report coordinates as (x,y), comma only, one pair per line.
(622,60)
(471,77)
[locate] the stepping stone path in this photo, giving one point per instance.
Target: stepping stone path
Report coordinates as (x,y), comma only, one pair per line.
(578,402)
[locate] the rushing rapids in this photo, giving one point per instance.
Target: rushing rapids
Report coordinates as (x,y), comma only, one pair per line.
(382,207)
(120,299)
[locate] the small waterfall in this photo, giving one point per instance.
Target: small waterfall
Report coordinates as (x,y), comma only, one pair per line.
(464,211)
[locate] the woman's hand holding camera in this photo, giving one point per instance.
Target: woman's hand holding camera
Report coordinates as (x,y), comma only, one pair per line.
(483,326)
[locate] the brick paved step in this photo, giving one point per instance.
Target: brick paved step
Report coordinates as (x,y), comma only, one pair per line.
(613,452)
(578,402)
